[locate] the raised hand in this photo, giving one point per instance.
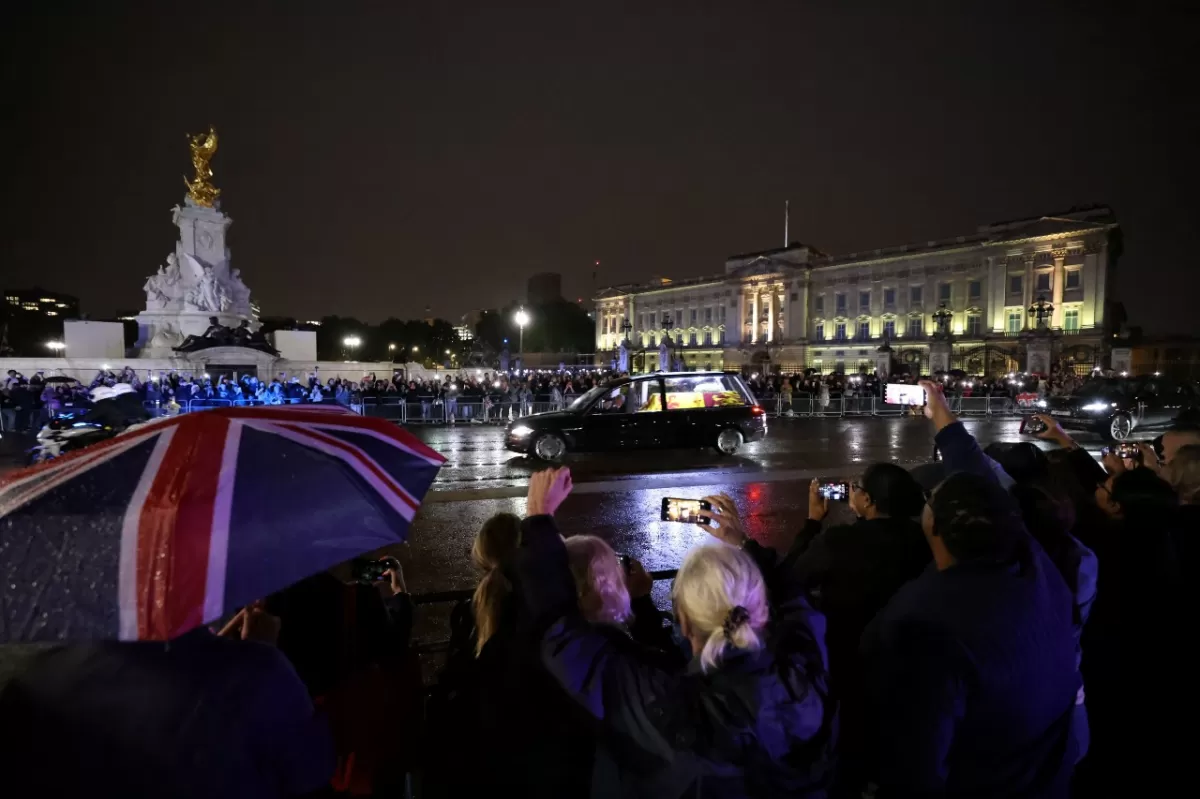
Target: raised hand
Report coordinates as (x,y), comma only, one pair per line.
(818,506)
(723,522)
(547,490)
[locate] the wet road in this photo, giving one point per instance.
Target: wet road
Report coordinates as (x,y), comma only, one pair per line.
(618,495)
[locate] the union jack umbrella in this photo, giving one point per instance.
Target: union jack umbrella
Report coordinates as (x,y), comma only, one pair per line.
(180,522)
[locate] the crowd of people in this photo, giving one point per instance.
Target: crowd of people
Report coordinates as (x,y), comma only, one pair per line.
(1007,622)
(474,396)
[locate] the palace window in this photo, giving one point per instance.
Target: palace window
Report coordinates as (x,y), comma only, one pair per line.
(914,295)
(839,331)
(819,305)
(693,338)
(819,332)
(943,292)
(974,324)
(693,316)
(889,297)
(974,290)
(1014,322)
(1043,281)
(1071,319)
(708,316)
(707,338)
(721,336)
(1074,279)
(916,327)
(795,296)
(864,300)
(889,328)
(1015,284)
(840,303)
(864,330)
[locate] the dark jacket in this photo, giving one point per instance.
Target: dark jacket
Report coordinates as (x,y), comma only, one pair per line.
(851,571)
(198,717)
(118,412)
(971,673)
(761,725)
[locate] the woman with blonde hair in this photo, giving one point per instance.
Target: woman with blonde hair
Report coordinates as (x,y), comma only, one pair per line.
(750,718)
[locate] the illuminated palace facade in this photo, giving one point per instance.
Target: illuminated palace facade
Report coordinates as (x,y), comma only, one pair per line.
(985,296)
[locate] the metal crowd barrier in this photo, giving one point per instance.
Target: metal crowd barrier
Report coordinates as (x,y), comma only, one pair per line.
(809,406)
(453,410)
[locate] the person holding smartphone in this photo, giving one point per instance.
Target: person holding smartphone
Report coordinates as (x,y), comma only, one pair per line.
(851,571)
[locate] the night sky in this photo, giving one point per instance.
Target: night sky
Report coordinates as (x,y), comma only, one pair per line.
(415,154)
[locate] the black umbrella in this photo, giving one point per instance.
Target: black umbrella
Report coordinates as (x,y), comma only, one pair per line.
(60,379)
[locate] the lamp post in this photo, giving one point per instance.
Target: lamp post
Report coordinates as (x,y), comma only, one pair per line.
(522,319)
(392,352)
(625,328)
(1040,311)
(56,346)
(941,319)
(351,343)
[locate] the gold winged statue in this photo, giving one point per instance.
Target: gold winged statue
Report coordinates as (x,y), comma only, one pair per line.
(200,188)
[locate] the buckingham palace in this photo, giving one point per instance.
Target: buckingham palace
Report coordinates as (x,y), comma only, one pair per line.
(1027,294)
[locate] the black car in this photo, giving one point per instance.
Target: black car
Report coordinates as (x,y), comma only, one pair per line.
(1115,407)
(655,411)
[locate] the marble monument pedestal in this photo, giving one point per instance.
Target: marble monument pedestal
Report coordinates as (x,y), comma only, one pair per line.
(939,356)
(159,332)
(196,285)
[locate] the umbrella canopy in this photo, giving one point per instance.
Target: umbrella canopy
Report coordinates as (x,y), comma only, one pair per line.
(60,379)
(180,521)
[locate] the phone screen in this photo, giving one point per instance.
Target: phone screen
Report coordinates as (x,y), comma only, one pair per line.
(684,510)
(835,490)
(1031,426)
(901,394)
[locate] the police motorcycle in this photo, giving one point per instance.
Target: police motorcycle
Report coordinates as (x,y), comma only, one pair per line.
(115,409)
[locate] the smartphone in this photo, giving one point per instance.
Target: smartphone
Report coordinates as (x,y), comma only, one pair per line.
(937,454)
(684,510)
(1126,452)
(902,394)
(369,571)
(1031,426)
(836,490)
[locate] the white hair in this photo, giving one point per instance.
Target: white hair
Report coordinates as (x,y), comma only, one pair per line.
(599,580)
(711,583)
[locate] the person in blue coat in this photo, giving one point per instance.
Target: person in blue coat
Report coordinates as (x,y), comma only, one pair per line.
(971,670)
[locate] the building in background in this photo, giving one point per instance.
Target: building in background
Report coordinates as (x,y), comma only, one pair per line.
(978,298)
(544,289)
(1177,357)
(41,301)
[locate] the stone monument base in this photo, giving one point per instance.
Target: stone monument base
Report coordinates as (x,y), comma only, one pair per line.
(159,332)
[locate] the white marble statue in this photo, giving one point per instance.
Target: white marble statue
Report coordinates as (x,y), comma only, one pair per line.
(165,336)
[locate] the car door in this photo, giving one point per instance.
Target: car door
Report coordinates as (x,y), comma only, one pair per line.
(1154,400)
(1174,399)
(610,423)
(651,425)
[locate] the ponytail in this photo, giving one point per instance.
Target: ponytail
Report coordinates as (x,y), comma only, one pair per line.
(721,593)
(486,603)
(496,543)
(735,633)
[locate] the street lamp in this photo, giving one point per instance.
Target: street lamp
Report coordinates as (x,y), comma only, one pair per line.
(522,319)
(625,328)
(1040,311)
(57,346)
(392,353)
(351,343)
(941,319)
